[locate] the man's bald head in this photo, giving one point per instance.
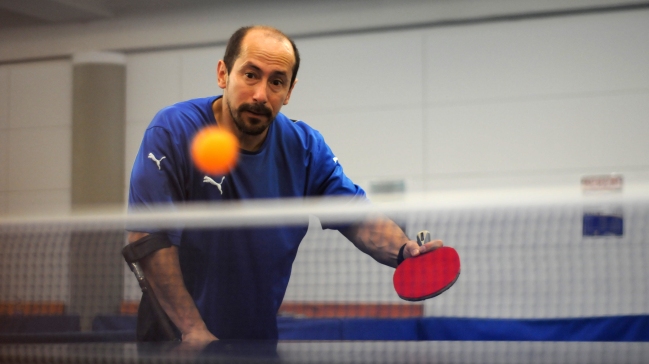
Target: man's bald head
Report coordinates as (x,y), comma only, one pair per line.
(234,47)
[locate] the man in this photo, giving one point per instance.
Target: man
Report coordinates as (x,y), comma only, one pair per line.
(229,283)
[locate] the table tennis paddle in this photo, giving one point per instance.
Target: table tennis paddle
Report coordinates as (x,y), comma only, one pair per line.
(427,275)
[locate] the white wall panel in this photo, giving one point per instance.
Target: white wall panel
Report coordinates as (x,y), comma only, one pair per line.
(38,202)
(532,261)
(214,22)
(41,94)
(358,73)
(4,97)
(534,58)
(198,72)
(4,159)
(607,133)
(40,158)
(3,203)
(4,169)
(518,261)
(152,82)
(134,134)
(34,267)
(374,143)
(356,277)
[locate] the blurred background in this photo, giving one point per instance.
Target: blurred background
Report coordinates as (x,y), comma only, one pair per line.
(411,95)
(461,98)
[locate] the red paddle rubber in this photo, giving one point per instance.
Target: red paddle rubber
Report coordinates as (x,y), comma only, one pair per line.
(427,275)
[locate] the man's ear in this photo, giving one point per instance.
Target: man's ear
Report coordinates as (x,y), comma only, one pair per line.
(288,96)
(221,74)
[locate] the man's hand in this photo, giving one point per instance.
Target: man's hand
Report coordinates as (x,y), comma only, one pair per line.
(197,339)
(412,249)
(162,269)
(193,343)
(382,238)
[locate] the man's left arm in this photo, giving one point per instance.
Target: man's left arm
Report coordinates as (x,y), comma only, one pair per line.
(382,239)
(379,237)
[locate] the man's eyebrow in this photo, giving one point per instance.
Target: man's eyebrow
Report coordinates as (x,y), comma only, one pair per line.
(251,65)
(256,68)
(280,73)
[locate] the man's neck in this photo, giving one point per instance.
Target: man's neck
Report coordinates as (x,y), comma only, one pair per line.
(250,143)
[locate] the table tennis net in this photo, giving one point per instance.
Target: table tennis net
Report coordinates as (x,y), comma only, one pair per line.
(525,262)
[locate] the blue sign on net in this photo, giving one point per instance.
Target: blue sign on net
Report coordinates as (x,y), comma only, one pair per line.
(603,225)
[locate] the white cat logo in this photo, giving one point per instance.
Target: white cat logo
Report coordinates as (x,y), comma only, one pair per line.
(335,159)
(157,161)
(209,180)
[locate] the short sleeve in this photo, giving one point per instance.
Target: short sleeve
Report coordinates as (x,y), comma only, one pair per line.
(157,177)
(330,177)
(327,172)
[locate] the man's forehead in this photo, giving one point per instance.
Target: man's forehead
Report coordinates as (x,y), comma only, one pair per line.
(267,44)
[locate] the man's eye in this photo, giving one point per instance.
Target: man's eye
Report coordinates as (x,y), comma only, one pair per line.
(249,75)
(277,83)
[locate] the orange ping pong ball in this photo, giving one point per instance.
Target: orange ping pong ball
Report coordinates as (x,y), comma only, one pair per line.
(215,150)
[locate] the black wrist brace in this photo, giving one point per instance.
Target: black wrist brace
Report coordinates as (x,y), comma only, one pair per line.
(400,257)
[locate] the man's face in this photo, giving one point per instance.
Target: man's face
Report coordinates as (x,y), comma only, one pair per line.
(258,84)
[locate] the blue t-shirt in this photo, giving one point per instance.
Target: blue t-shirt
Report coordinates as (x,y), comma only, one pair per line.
(237,277)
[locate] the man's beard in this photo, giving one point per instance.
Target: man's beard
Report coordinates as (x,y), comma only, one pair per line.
(251,129)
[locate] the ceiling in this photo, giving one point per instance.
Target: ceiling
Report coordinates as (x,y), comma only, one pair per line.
(22,13)
(28,13)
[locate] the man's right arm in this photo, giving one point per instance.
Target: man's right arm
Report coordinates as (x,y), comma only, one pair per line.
(162,271)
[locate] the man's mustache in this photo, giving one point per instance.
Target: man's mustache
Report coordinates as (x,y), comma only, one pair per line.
(256,108)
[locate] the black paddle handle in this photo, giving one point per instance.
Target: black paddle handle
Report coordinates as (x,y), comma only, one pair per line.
(164,321)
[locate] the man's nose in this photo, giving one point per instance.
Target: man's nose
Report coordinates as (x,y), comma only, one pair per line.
(260,95)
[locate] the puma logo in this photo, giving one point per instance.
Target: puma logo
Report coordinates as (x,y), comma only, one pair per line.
(157,161)
(209,180)
(336,160)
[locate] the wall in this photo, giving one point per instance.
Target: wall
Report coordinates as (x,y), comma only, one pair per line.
(518,260)
(487,105)
(35,137)
(499,105)
(535,103)
(213,23)
(507,104)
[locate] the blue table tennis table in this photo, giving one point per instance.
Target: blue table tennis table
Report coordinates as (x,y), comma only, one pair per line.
(339,352)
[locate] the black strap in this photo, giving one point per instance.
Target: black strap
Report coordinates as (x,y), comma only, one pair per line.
(400,257)
(142,247)
(153,322)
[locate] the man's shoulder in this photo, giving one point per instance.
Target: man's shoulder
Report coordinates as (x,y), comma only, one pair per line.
(184,114)
(201,105)
(297,126)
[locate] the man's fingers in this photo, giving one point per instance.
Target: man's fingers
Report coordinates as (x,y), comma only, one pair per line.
(413,250)
(198,339)
(430,246)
